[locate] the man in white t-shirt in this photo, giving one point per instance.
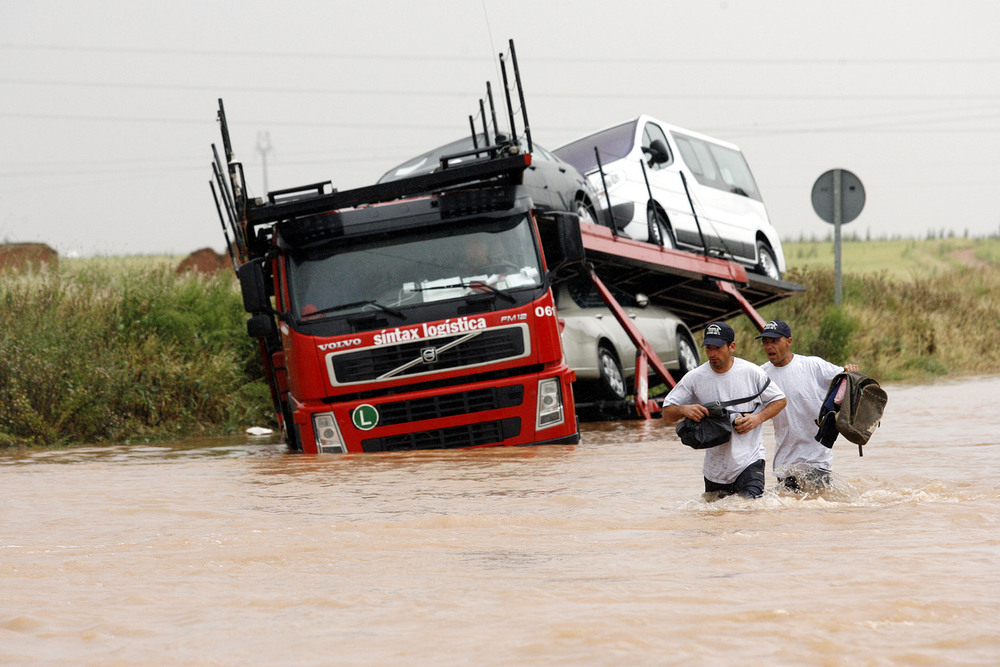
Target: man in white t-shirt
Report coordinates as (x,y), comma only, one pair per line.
(800,461)
(736,466)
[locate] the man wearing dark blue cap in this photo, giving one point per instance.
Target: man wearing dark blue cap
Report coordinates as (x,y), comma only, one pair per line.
(736,466)
(800,462)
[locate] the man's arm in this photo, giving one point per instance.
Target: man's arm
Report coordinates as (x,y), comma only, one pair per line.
(746,423)
(674,413)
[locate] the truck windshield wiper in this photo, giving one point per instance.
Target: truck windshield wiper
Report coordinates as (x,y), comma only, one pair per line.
(354,304)
(474,284)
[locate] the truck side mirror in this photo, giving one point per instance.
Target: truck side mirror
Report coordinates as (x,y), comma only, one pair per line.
(253,287)
(568,239)
(261,326)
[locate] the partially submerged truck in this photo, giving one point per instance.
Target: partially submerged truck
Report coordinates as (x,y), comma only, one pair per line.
(407,315)
(418,313)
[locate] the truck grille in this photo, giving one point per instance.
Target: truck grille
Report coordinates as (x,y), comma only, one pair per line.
(470,435)
(372,363)
(449,405)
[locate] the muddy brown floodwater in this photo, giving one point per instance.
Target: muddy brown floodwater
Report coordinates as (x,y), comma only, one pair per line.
(229,552)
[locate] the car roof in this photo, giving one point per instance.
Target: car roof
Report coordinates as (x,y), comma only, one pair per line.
(430,161)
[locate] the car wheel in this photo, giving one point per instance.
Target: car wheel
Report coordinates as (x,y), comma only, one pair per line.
(767,265)
(687,355)
(585,210)
(612,383)
(659,231)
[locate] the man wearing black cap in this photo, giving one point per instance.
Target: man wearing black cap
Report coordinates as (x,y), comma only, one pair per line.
(736,466)
(800,462)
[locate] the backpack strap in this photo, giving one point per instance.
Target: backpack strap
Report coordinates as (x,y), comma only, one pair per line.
(726,404)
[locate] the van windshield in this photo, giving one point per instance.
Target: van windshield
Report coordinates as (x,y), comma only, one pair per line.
(613,143)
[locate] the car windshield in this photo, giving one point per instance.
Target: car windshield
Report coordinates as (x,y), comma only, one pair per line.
(390,272)
(613,143)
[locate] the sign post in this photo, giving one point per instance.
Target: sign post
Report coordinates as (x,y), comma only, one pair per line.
(838,197)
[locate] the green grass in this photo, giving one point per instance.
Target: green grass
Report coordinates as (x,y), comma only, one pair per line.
(911,310)
(903,259)
(120,351)
(124,350)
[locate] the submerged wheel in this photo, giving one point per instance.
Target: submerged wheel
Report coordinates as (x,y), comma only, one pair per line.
(612,382)
(767,265)
(658,228)
(687,355)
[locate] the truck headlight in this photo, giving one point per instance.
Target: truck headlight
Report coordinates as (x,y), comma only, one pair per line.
(328,440)
(550,403)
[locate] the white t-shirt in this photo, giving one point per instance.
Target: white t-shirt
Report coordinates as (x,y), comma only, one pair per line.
(805,381)
(723,464)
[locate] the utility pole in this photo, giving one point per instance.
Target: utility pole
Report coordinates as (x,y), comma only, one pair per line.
(264,147)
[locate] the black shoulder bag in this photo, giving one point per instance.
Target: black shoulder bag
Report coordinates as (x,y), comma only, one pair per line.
(715,428)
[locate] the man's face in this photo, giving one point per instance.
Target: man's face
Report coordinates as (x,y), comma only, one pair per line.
(720,358)
(778,350)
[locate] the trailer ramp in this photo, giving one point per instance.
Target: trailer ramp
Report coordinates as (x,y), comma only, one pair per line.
(697,288)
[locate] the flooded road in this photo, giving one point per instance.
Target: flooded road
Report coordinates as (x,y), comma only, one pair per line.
(233,552)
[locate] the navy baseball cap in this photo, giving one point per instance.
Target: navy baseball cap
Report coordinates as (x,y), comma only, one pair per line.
(719,334)
(776,329)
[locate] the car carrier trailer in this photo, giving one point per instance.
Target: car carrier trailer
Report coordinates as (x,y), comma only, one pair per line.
(378,333)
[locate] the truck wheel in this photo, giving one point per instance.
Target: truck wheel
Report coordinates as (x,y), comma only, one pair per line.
(291,433)
(767,265)
(687,355)
(659,229)
(612,382)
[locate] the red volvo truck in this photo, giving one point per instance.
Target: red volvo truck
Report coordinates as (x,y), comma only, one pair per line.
(415,314)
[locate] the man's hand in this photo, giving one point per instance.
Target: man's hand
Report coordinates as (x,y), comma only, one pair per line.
(746,423)
(675,413)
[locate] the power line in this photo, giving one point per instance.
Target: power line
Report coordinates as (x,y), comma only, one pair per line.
(583,96)
(409,57)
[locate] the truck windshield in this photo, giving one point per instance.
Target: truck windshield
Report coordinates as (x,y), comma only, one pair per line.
(389,272)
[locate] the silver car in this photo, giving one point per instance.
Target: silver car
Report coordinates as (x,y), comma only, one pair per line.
(601,353)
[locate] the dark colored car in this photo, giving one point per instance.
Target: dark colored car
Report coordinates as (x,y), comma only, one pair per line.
(554,185)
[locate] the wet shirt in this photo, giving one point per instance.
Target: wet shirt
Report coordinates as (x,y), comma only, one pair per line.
(805,381)
(723,464)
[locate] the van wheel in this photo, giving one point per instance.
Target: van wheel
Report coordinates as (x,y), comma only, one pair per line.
(687,355)
(612,382)
(767,265)
(659,228)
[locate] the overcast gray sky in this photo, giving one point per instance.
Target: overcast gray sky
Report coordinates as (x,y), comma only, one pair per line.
(107,107)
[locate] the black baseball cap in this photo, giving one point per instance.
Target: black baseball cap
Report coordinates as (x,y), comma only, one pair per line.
(719,334)
(776,329)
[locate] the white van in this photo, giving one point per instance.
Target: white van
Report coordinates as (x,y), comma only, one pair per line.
(646,163)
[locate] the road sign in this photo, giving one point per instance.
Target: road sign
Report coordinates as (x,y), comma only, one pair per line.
(838,198)
(851,199)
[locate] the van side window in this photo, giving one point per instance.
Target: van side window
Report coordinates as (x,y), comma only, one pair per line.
(735,172)
(718,166)
(650,133)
